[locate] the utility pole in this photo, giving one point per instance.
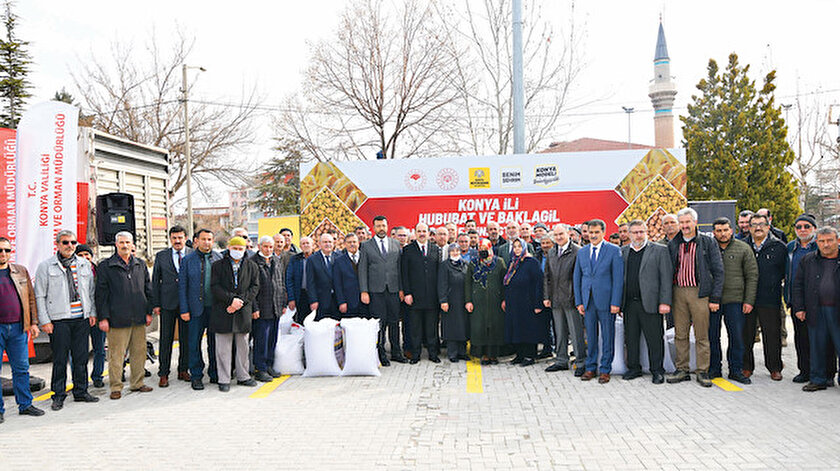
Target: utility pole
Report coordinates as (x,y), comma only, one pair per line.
(629,110)
(187,156)
(518,86)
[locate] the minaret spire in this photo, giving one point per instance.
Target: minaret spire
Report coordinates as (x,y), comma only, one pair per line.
(662,92)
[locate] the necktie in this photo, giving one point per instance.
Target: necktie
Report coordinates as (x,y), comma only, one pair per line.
(423,249)
(382,246)
(594,256)
(180,258)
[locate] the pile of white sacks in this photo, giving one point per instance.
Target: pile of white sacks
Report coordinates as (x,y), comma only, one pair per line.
(327,347)
(619,364)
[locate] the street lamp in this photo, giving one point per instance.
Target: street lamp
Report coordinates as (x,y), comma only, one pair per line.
(629,110)
(187,156)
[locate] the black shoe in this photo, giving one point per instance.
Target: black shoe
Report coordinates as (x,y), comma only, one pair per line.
(197,385)
(57,403)
(527,362)
(31,410)
(801,378)
(214,380)
(1,418)
(148,374)
(556,367)
(274,374)
(715,374)
(485,362)
(579,372)
(399,359)
(703,379)
(739,377)
(250,382)
(224,387)
(464,357)
(434,359)
(98,383)
(631,375)
(413,361)
(263,376)
(86,397)
(453,359)
(678,377)
(546,353)
(384,361)
(811,387)
(494,361)
(516,360)
(658,378)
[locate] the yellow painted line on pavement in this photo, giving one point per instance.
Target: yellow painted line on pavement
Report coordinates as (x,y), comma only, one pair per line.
(44,397)
(474,382)
(725,385)
(269,387)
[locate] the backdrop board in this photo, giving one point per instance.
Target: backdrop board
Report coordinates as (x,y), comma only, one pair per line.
(616,186)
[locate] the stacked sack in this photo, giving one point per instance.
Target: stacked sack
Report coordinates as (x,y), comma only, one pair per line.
(346,348)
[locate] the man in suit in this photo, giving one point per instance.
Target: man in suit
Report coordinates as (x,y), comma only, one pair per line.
(598,283)
(648,279)
(493,234)
(420,261)
(319,279)
(196,302)
(379,281)
(698,287)
(167,305)
(296,289)
(559,295)
(346,279)
(441,237)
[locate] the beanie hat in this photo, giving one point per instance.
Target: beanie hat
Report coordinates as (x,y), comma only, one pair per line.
(805,217)
(83,248)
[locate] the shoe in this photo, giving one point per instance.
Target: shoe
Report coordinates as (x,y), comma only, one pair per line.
(399,359)
(274,374)
(631,375)
(413,361)
(143,389)
(98,383)
(453,360)
(86,397)
(384,361)
(556,367)
(485,362)
(250,382)
(464,357)
(811,387)
(147,374)
(703,379)
(1,418)
(801,378)
(197,385)
(57,403)
(739,377)
(604,378)
(164,382)
(578,372)
(527,362)
(776,375)
(546,353)
(658,378)
(263,377)
(224,387)
(214,380)
(31,410)
(434,359)
(715,374)
(408,355)
(516,360)
(678,377)
(746,373)
(115,395)
(587,376)
(183,376)
(494,361)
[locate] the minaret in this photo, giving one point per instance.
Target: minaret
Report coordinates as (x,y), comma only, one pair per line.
(662,93)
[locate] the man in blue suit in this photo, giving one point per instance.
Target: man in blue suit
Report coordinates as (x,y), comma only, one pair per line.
(346,279)
(296,292)
(598,284)
(196,303)
(319,269)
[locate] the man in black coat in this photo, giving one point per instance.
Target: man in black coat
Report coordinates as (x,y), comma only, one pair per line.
(346,279)
(124,309)
(319,279)
(419,279)
(166,305)
(270,302)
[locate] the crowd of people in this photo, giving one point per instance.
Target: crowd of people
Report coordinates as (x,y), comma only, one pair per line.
(530,292)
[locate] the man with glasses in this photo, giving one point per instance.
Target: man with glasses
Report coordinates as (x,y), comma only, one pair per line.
(64,294)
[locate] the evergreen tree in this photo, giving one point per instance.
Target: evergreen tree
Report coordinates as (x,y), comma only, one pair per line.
(64,96)
(14,69)
(736,146)
(279,184)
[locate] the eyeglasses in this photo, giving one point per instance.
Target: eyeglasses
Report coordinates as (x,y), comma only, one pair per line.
(5,250)
(803,226)
(69,242)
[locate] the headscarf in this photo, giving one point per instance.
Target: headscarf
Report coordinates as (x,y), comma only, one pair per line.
(514,261)
(482,267)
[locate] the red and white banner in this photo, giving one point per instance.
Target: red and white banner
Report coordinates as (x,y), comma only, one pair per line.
(8,148)
(47,174)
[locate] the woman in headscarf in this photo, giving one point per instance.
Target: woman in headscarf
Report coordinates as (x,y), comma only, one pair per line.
(484,291)
(453,320)
(524,327)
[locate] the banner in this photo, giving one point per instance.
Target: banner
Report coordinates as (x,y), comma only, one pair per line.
(616,186)
(7,195)
(47,172)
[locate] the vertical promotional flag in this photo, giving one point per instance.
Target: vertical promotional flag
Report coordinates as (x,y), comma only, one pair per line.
(46,202)
(7,194)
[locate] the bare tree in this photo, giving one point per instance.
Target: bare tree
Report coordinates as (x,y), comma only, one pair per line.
(137,96)
(383,83)
(484,79)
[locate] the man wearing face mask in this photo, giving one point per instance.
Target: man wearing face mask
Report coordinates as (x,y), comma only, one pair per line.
(64,294)
(235,282)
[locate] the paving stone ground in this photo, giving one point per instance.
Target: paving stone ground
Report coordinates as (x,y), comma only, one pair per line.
(422,417)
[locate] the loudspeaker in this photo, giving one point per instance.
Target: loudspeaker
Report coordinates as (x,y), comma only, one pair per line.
(114,213)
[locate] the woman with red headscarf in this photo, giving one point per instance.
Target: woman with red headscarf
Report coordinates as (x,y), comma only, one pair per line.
(484,291)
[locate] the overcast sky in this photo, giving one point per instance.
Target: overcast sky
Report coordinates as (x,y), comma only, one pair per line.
(266,45)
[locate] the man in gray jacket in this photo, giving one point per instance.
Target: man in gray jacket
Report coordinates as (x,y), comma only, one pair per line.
(559,295)
(648,278)
(64,294)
